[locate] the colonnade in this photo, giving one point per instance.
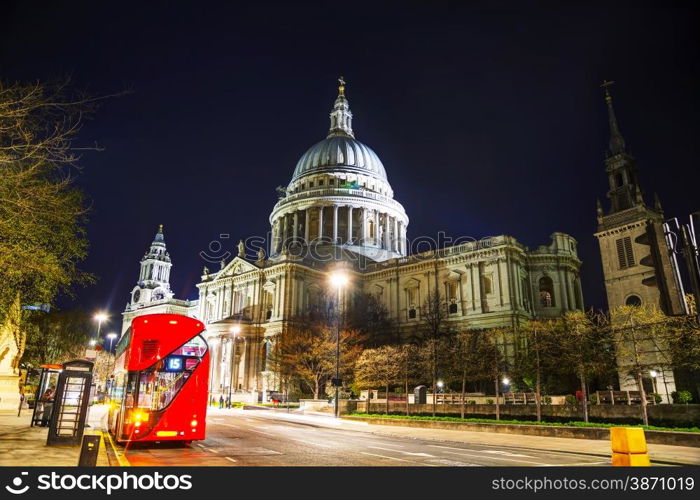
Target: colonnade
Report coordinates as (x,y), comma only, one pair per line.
(341,225)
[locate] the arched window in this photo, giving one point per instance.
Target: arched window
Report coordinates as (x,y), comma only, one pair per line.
(618,180)
(546,292)
(633,300)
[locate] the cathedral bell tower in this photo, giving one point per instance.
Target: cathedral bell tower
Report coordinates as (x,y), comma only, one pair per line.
(636,261)
(154,278)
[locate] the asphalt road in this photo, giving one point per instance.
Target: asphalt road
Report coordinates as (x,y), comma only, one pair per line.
(271,438)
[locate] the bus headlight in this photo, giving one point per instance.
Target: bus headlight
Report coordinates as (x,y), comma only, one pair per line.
(193,423)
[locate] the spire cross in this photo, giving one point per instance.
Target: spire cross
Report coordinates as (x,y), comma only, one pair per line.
(605,86)
(341,86)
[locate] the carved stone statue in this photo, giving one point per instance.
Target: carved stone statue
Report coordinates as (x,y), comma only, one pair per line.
(223,263)
(261,254)
(205,271)
(241,249)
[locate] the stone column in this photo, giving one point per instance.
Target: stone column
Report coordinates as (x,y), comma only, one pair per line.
(387,236)
(376,229)
(283,230)
(306,225)
(296,226)
(395,242)
(335,224)
(349,242)
(363,226)
(320,222)
(563,300)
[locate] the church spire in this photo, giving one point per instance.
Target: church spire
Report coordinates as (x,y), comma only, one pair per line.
(341,116)
(617,142)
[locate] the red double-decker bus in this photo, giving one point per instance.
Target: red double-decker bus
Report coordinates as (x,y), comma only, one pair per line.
(161,377)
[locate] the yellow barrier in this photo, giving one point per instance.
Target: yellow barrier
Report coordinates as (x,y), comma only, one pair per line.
(629,447)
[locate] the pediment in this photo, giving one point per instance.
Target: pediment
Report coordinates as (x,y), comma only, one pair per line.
(235,267)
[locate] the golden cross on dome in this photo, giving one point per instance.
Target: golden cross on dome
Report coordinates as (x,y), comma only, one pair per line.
(341,86)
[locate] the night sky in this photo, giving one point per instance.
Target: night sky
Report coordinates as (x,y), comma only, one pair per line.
(488,120)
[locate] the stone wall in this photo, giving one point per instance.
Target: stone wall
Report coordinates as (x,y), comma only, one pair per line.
(662,415)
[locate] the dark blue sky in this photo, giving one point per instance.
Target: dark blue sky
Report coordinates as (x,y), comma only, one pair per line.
(488,120)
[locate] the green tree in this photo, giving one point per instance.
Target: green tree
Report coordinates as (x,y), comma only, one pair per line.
(57,337)
(534,357)
(307,351)
(583,345)
(381,366)
(42,212)
(464,360)
(642,336)
(434,315)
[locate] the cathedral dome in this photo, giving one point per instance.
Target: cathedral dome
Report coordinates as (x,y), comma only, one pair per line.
(340,153)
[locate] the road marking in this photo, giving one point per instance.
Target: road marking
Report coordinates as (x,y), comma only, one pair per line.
(121,458)
(454,463)
(481,456)
(325,445)
(506,453)
(495,452)
(397,459)
(242,429)
(606,462)
(404,452)
(231,459)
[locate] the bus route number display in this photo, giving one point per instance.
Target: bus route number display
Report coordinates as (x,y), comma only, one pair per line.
(174,363)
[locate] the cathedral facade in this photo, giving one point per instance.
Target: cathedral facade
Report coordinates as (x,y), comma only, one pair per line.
(339,209)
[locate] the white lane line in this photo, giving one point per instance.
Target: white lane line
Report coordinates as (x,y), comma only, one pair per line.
(497,458)
(231,459)
(397,459)
(582,464)
(243,429)
(403,452)
(329,445)
(505,453)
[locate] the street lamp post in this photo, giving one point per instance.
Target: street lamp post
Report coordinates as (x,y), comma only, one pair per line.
(654,374)
(100,317)
(235,331)
(111,337)
(338,280)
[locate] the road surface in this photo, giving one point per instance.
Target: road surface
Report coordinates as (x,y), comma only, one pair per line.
(273,438)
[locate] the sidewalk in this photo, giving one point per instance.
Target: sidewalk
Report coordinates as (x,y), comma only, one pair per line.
(22,445)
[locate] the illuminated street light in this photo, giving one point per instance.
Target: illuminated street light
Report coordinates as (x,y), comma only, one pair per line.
(235,330)
(654,374)
(338,279)
(100,317)
(440,385)
(111,337)
(93,342)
